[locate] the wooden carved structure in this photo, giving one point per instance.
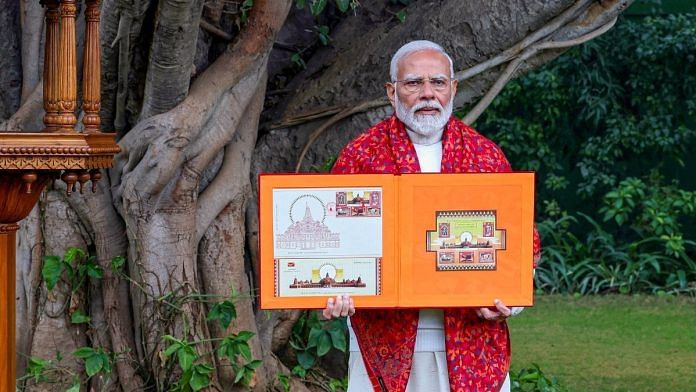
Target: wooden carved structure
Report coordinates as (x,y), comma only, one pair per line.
(30,159)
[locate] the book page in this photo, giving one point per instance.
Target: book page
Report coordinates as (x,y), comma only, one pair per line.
(327,241)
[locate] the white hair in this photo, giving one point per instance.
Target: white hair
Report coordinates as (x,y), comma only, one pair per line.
(416,46)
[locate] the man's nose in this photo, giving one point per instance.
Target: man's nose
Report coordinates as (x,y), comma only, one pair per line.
(427,92)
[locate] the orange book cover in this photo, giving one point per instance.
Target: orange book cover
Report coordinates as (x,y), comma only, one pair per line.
(390,241)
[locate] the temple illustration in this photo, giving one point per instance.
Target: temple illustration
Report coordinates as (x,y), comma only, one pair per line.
(327,282)
(308,234)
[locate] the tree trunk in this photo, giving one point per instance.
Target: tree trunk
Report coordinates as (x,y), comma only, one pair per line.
(180,201)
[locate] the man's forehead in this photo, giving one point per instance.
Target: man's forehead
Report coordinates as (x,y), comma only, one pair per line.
(425,57)
(410,76)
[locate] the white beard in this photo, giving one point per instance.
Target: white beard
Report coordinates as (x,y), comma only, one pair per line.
(424,129)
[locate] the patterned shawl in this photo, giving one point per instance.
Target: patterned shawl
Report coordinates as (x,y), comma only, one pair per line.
(478,351)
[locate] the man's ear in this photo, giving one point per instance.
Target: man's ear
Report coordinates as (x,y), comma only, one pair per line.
(455,82)
(391,90)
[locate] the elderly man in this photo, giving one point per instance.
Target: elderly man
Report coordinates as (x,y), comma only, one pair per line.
(458,349)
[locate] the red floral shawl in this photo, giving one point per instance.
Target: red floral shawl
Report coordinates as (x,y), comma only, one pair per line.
(478,351)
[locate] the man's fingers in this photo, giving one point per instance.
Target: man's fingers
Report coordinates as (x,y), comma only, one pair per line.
(338,307)
(342,306)
(346,306)
(489,314)
(504,310)
(327,312)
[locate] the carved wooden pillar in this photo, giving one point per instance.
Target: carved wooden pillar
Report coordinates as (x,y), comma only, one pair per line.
(91,74)
(67,67)
(7,306)
(50,71)
(28,160)
(19,191)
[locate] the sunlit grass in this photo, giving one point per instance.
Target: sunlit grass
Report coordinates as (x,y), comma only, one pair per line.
(609,343)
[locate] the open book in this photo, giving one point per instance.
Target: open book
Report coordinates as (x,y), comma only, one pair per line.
(410,240)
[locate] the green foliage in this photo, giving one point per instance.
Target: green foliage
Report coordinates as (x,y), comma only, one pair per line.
(533,380)
(323,32)
(75,267)
(233,347)
(608,127)
(317,6)
(284,382)
(79,318)
(95,360)
(187,368)
(117,263)
(36,368)
(224,311)
(597,263)
(244,10)
(401,16)
(313,338)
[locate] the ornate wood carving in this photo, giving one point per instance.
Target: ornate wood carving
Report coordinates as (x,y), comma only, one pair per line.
(16,202)
(56,151)
(91,75)
(50,71)
(67,68)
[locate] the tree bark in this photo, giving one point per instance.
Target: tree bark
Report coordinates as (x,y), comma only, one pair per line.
(171,55)
(11,59)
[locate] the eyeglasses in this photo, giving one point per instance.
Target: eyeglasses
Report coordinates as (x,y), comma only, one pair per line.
(417,85)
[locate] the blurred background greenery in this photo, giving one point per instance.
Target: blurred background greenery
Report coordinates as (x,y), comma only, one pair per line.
(610,128)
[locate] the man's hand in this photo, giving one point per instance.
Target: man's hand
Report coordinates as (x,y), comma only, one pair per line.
(342,306)
(502,313)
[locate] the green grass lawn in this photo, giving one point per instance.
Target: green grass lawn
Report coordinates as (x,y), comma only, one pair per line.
(609,343)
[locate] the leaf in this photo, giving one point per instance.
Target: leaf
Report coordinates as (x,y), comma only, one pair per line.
(338,338)
(244,336)
(172,339)
(317,7)
(299,371)
(72,253)
(224,312)
(106,363)
(199,379)
(95,271)
(79,318)
(243,348)
(117,262)
(93,365)
(314,334)
(343,5)
(324,35)
(240,373)
(51,271)
(186,356)
(84,352)
(300,4)
(36,367)
(401,16)
(284,382)
(324,344)
(682,278)
(254,364)
(296,58)
(306,359)
(75,387)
